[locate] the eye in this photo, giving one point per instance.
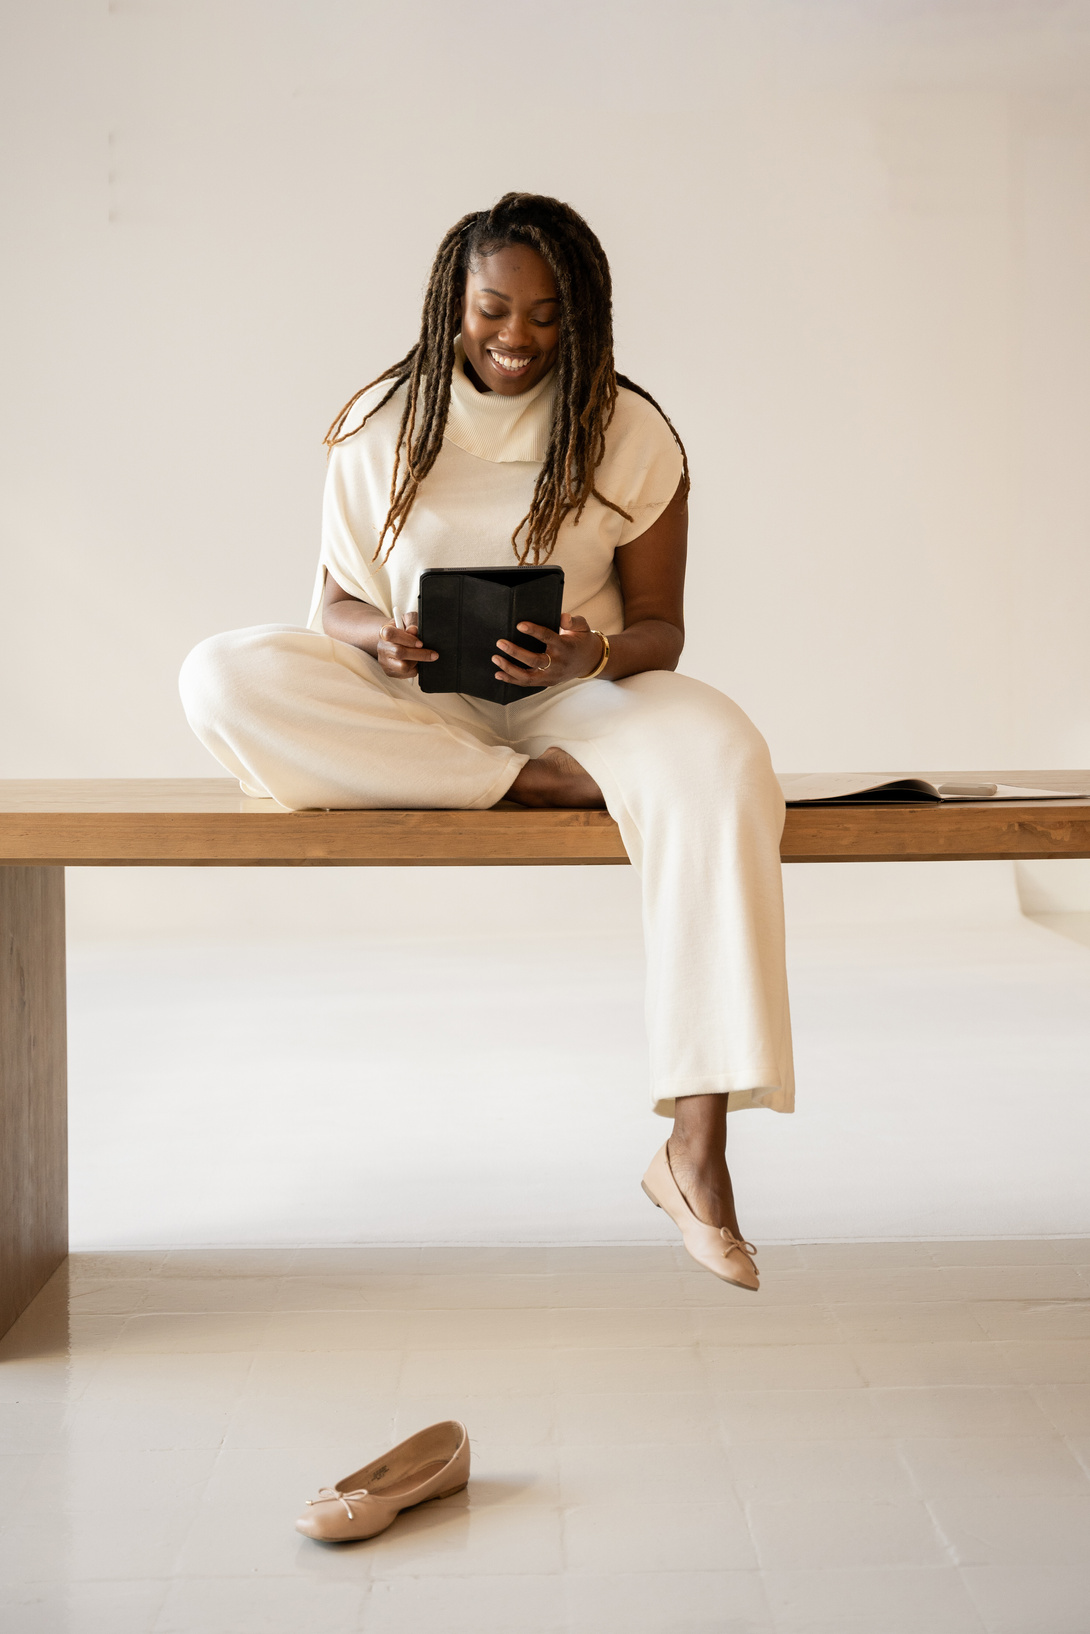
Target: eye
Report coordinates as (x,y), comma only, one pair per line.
(484,312)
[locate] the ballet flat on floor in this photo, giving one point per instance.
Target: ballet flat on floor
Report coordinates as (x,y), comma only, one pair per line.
(433,1463)
(714,1247)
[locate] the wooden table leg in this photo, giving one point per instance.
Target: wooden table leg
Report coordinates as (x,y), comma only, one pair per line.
(33,1085)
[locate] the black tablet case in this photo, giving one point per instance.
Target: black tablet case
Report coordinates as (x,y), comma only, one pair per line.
(464,611)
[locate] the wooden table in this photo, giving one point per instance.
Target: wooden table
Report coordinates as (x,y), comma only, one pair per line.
(46,827)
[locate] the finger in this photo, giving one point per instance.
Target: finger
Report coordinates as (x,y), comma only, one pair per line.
(521,678)
(507,671)
(573,624)
(393,659)
(398,655)
(541,631)
(536,660)
(401,638)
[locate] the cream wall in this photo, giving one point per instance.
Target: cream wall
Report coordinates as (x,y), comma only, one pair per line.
(852,255)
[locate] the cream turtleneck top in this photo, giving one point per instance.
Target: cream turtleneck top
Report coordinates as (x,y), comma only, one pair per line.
(478,491)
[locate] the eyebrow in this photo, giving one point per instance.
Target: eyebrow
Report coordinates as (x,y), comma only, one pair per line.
(543,301)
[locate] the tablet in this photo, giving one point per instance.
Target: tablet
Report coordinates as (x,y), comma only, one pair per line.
(462,613)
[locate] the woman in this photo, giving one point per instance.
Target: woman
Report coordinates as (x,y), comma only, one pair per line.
(505,433)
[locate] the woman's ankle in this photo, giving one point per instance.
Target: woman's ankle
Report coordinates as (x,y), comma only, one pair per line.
(555,778)
(703,1177)
(700,1126)
(707,1165)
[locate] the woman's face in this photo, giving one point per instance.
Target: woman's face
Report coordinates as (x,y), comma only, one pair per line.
(510,320)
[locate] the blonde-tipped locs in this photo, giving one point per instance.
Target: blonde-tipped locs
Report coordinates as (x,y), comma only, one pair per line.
(586,380)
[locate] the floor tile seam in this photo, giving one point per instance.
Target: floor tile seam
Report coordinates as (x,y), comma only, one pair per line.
(111,1347)
(925,1390)
(704,1347)
(1006,1340)
(915,1483)
(747,1505)
(894,1340)
(1080,1455)
(893,1305)
(937,1568)
(965,1577)
(367,1585)
(1038,1302)
(1036,1392)
(855,1386)
(142,1303)
(218,1314)
(826,1338)
(937,1536)
(980,1387)
(961,1437)
(222,1452)
(162,1579)
(434,1272)
(913,1300)
(237,1404)
(424,1310)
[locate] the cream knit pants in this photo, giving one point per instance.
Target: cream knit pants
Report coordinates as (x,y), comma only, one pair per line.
(313,722)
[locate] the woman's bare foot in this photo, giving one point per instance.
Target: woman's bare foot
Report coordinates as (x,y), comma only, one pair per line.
(555,779)
(697,1153)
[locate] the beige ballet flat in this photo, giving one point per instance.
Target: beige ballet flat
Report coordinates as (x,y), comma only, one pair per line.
(715,1247)
(434,1463)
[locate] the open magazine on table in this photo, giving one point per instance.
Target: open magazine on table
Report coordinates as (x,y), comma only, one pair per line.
(863,789)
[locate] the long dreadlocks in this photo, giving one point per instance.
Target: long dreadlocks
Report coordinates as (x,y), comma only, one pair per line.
(586,381)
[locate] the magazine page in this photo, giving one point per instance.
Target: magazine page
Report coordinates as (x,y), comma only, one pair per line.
(876,788)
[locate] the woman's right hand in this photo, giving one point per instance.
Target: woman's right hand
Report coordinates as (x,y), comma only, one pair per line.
(399,651)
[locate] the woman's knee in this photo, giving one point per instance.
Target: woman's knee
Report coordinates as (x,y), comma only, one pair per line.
(706,738)
(691,713)
(202,675)
(221,672)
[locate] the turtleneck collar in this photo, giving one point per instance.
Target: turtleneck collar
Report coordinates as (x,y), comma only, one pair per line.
(495,427)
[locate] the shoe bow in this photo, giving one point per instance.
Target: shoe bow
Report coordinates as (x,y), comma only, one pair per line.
(329,1494)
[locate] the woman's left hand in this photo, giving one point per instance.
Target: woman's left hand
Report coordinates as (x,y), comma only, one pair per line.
(571,652)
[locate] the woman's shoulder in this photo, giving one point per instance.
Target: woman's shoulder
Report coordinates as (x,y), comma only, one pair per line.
(642,455)
(638,427)
(636,409)
(371,421)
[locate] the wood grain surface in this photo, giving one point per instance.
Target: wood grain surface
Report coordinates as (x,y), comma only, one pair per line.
(206,822)
(33,1090)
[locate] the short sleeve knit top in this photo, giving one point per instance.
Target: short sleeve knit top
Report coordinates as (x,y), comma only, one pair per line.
(478,491)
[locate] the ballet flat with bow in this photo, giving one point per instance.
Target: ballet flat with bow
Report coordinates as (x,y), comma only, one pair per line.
(716,1248)
(433,1463)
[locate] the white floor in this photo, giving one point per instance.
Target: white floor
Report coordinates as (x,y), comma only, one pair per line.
(244,1071)
(888,1439)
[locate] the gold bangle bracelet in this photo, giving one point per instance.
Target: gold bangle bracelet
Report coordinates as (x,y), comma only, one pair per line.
(605,655)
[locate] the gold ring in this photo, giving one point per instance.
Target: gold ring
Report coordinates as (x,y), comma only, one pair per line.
(547,664)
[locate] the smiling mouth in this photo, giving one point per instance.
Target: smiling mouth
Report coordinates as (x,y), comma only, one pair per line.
(510,365)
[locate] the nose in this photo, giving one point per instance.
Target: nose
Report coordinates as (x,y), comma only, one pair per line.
(516,334)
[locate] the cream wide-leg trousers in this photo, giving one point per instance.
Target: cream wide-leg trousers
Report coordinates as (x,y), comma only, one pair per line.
(313,722)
